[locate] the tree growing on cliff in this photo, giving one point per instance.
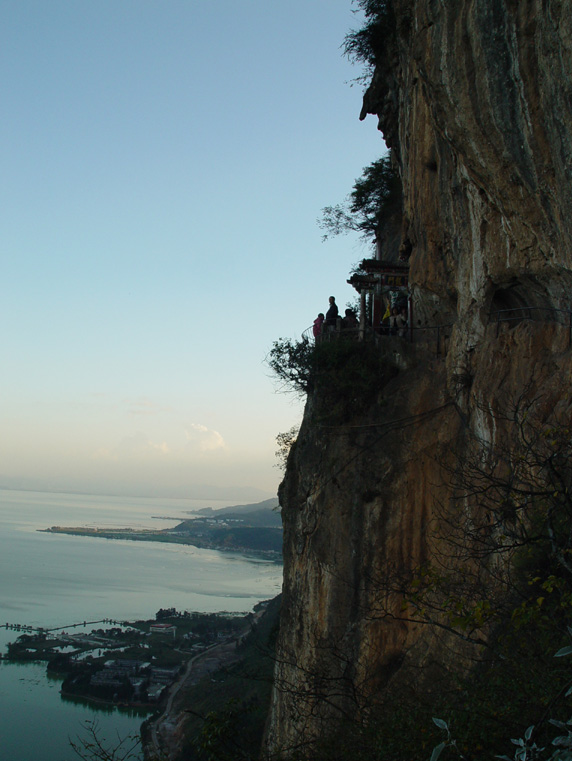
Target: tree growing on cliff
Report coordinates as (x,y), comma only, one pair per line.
(375,199)
(367,44)
(285,441)
(345,374)
(292,362)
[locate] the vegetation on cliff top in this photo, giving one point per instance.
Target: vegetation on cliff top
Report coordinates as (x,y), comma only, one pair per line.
(367,44)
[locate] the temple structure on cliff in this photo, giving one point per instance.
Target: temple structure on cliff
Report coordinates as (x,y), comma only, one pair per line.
(382,283)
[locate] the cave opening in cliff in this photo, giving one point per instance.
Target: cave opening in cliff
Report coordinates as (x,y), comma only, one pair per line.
(508,298)
(523,300)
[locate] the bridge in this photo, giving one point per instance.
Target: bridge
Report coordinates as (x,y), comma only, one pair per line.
(46,630)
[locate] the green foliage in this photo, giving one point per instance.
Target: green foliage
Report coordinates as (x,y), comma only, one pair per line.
(520,607)
(293,364)
(343,375)
(375,198)
(229,733)
(285,441)
(556,746)
(228,709)
(518,685)
(399,730)
(367,45)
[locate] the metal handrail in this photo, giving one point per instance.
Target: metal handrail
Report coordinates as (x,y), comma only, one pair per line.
(500,315)
(338,330)
(506,315)
(530,309)
(369,333)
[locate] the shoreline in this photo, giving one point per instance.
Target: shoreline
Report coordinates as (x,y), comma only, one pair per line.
(162,722)
(161,732)
(38,648)
(89,699)
(162,537)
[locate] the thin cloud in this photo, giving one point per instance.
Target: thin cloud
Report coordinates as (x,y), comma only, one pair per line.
(144,406)
(203,438)
(137,446)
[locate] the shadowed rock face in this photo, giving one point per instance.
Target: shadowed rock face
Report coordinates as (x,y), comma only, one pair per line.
(475,98)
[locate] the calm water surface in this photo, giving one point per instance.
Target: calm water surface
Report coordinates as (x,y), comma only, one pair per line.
(56,580)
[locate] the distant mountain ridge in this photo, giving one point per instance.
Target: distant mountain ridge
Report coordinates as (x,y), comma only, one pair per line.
(267,504)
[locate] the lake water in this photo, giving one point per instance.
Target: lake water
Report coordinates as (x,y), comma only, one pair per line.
(58,580)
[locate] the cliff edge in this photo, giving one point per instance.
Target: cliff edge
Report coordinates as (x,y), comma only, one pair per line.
(475,99)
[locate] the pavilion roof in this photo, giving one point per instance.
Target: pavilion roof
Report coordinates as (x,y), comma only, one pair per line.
(379,265)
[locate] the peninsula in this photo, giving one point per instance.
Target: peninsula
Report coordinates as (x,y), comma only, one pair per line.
(249,529)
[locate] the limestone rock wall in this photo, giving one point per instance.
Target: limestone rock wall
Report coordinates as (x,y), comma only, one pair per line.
(476,100)
(483,131)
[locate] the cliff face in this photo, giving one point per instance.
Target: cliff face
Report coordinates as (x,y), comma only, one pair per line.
(485,142)
(475,98)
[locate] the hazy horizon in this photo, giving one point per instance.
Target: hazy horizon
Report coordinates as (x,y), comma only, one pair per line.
(230,494)
(164,166)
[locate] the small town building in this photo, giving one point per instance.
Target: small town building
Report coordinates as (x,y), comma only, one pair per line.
(160,628)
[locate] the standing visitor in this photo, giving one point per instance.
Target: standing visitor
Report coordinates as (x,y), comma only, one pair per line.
(402,321)
(332,314)
(318,322)
(393,321)
(397,322)
(349,322)
(384,324)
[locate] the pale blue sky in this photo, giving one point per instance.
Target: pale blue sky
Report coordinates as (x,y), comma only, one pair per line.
(163,164)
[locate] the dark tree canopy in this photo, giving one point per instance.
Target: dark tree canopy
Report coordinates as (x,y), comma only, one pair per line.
(367,45)
(375,198)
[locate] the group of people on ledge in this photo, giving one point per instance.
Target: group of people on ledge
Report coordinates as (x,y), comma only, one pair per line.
(393,322)
(331,320)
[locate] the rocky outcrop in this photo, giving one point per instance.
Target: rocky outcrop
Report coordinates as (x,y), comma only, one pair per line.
(476,100)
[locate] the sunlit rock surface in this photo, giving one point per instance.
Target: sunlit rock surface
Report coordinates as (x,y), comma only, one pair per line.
(475,98)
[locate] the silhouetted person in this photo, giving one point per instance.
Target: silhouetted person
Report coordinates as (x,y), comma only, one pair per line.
(332,314)
(317,327)
(350,320)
